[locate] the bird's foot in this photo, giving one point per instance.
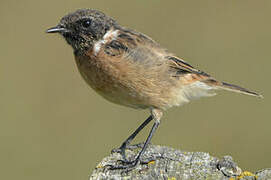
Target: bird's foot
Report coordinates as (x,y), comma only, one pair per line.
(121,150)
(124,164)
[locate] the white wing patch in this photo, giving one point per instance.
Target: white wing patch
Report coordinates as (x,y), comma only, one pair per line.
(109,36)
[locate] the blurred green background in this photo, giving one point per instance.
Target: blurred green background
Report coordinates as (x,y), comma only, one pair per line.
(53,126)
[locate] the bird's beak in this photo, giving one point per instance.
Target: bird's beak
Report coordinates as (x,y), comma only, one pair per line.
(57,29)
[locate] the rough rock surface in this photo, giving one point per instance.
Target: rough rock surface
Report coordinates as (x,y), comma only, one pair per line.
(160,162)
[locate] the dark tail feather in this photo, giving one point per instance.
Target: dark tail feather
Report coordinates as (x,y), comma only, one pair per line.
(232,87)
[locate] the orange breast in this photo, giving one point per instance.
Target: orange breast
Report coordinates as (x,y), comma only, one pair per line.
(128,83)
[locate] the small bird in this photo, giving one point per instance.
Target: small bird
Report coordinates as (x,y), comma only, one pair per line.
(129,68)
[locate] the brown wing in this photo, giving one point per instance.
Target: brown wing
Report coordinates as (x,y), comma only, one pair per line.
(139,47)
(134,46)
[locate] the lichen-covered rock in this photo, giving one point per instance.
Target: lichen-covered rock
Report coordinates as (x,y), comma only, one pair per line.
(160,162)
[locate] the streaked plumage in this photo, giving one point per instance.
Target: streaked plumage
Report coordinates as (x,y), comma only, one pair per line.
(129,68)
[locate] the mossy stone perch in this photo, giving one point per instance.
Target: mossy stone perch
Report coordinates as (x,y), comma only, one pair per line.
(160,162)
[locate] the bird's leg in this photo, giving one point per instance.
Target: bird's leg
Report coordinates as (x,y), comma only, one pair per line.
(156,115)
(126,143)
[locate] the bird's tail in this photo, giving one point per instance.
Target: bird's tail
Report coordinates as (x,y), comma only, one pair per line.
(231,87)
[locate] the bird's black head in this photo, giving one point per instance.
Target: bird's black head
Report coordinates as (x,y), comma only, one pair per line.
(83,28)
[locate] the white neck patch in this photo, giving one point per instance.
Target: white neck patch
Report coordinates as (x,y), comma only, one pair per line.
(109,36)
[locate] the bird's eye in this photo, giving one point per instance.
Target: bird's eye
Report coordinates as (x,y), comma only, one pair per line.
(86,23)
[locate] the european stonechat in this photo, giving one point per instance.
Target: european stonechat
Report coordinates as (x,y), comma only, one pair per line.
(131,69)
